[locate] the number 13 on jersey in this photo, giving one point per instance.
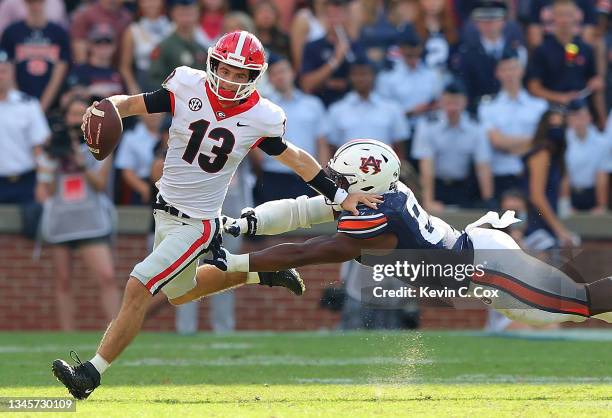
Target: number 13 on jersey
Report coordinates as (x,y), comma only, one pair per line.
(224,139)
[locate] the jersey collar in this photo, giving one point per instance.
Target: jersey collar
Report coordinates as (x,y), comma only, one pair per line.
(224,113)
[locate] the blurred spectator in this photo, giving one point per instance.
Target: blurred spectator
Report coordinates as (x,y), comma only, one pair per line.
(585,156)
(87,18)
(77,214)
(377,33)
(267,28)
(306,126)
(23,129)
(234,21)
(181,47)
(510,120)
(12,11)
(477,59)
(97,74)
(514,199)
(363,114)
(212,14)
(308,25)
(542,21)
(435,25)
(563,67)
(544,171)
(135,157)
(41,52)
(446,146)
(325,62)
(512,31)
(411,83)
(402,12)
(139,41)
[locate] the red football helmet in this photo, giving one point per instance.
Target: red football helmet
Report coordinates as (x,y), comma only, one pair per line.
(239,49)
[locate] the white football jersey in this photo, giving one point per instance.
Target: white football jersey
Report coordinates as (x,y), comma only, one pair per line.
(207,142)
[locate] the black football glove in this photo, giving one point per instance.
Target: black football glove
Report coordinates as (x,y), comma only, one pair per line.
(219,259)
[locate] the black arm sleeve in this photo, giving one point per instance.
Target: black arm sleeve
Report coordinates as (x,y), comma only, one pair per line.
(158,101)
(273,145)
(324,185)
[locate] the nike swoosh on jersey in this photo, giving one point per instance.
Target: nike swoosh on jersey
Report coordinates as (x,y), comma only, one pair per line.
(239,124)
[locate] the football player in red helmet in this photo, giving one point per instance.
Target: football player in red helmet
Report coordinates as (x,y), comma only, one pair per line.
(217,118)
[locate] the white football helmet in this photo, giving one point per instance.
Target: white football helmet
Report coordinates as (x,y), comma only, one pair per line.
(365,165)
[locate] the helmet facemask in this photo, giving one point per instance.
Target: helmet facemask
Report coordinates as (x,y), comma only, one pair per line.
(243,91)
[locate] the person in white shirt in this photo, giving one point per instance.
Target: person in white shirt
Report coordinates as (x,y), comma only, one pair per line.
(447,146)
(411,83)
(585,157)
(307,127)
(23,130)
(135,157)
(510,120)
(361,113)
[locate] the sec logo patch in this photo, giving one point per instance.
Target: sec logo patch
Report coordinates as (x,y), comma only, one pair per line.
(195,104)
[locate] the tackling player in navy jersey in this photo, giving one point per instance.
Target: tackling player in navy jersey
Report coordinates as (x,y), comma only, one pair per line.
(529,290)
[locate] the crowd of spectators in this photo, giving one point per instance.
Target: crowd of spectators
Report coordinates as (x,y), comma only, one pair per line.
(481,98)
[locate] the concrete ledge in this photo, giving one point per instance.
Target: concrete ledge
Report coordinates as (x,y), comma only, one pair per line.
(137,220)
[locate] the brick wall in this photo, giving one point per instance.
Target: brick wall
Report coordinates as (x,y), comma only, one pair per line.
(27,295)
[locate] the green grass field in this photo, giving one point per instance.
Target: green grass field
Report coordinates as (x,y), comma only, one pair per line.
(325,374)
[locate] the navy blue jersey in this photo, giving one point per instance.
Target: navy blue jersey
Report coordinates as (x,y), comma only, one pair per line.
(35,52)
(401,215)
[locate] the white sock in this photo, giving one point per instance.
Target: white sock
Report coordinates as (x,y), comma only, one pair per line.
(606,316)
(252,278)
(99,363)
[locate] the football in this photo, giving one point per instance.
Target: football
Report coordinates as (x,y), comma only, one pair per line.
(103,129)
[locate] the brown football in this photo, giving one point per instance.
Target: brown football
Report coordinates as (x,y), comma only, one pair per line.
(103,129)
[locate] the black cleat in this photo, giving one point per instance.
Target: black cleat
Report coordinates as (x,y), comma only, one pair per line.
(80,380)
(287,278)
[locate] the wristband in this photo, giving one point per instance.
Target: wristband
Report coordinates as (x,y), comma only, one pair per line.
(324,185)
(340,196)
(238,262)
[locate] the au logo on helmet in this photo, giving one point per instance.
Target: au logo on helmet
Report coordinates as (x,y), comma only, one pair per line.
(366,163)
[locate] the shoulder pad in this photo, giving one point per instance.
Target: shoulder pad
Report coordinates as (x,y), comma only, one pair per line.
(271,118)
(183,76)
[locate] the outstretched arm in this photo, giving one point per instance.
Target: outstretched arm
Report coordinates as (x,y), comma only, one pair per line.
(310,171)
(320,250)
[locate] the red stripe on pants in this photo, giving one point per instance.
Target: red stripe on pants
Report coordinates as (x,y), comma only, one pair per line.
(546,301)
(200,241)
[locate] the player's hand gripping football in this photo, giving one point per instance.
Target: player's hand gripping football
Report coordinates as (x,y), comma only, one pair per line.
(246,224)
(86,116)
(368,199)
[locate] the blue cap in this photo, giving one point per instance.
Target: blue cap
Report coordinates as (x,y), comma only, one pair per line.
(509,53)
(489,10)
(362,60)
(182,2)
(409,37)
(455,86)
(276,58)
